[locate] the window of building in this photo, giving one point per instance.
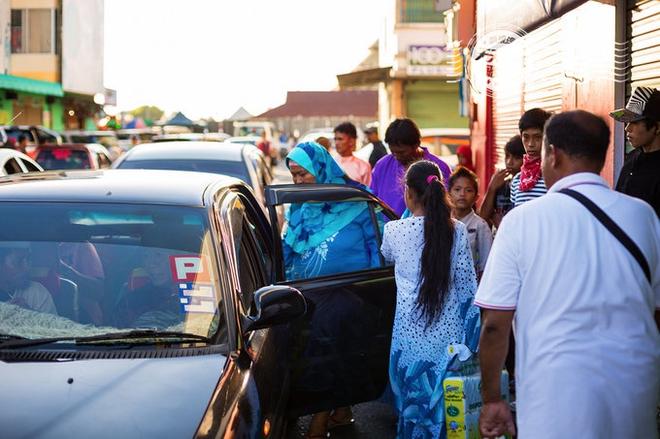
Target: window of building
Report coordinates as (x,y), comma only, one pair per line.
(422,11)
(33,31)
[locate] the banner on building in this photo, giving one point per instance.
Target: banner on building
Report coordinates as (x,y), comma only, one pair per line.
(434,61)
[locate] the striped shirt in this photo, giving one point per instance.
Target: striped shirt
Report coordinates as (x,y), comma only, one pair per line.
(519,197)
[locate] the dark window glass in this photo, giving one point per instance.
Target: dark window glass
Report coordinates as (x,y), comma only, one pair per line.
(30,167)
(232,169)
(63,158)
(12,167)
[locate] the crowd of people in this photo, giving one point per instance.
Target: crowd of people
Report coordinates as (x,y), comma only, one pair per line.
(575,264)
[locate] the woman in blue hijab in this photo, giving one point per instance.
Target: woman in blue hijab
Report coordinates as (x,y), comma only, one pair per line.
(327,237)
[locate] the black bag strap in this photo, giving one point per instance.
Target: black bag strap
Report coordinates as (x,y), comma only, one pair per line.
(610,225)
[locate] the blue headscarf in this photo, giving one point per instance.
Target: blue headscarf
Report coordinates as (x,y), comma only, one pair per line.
(312,223)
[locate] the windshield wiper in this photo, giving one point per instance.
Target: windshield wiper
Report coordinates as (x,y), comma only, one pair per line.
(151,335)
(11,337)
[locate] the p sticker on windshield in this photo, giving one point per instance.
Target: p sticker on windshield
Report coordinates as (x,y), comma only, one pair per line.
(196,293)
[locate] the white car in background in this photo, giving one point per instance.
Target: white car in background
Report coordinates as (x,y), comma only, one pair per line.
(15,162)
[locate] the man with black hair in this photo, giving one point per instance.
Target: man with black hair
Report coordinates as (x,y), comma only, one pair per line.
(378,150)
(528,183)
(345,138)
(583,298)
(404,140)
(640,175)
(15,284)
(22,143)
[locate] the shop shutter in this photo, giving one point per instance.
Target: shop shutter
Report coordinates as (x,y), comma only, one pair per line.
(644,38)
(529,73)
(544,68)
(507,96)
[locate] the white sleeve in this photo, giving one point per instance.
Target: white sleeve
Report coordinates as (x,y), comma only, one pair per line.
(501,281)
(386,247)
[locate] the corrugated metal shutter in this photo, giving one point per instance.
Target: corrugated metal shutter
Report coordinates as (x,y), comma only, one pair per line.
(544,69)
(644,37)
(507,96)
(529,73)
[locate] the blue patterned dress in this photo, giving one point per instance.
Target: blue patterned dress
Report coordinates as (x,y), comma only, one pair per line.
(419,358)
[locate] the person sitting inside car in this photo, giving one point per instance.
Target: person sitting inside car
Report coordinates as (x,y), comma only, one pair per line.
(155,304)
(15,284)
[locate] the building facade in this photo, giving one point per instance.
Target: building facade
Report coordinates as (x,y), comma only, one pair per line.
(51,62)
(419,65)
(307,110)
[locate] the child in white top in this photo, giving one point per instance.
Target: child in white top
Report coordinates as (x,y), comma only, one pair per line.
(463,191)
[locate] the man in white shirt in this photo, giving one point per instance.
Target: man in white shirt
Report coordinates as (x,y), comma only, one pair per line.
(587,345)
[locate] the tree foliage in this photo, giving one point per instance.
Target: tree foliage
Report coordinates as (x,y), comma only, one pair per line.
(147,112)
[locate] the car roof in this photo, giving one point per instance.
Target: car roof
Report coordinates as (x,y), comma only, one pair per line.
(189,150)
(118,186)
(8,152)
(94,147)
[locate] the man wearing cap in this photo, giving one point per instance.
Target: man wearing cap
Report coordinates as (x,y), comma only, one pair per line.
(378,150)
(15,284)
(640,175)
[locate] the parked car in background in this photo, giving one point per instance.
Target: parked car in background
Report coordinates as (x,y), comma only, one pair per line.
(206,137)
(443,142)
(15,162)
(73,156)
(128,137)
(246,140)
(106,138)
(241,161)
(255,128)
(36,135)
(198,332)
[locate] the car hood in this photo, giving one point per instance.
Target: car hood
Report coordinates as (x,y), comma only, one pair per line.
(116,398)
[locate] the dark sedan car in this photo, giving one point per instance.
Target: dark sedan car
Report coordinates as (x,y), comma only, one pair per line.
(155,304)
(244,162)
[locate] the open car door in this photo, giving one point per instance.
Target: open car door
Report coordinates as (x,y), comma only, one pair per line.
(327,245)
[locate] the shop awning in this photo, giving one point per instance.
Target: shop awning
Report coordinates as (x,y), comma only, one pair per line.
(9,82)
(364,77)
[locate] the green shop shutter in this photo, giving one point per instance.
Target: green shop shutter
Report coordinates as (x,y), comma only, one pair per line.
(644,38)
(434,104)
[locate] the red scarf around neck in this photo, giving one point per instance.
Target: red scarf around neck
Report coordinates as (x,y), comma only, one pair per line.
(530,172)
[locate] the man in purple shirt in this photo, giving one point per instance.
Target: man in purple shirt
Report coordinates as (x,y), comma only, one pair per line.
(403,138)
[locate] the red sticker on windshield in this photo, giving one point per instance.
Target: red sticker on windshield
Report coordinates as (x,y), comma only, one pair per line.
(189,268)
(61,154)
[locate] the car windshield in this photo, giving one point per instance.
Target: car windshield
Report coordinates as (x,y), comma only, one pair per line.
(63,158)
(224,167)
(77,270)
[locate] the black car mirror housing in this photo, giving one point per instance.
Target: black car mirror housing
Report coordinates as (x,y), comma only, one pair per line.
(274,305)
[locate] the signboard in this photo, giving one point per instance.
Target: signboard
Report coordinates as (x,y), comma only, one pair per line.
(433,61)
(82,46)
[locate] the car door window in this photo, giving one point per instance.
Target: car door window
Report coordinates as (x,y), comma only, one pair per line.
(104,161)
(328,238)
(30,166)
(13,167)
(248,265)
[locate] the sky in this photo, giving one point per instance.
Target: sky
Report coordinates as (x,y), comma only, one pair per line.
(210,57)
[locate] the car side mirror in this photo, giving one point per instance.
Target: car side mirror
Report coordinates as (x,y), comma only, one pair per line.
(274,305)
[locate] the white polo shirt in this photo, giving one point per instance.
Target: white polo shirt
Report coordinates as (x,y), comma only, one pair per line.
(587,346)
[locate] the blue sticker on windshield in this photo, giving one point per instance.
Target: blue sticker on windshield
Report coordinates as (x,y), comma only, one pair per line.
(196,298)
